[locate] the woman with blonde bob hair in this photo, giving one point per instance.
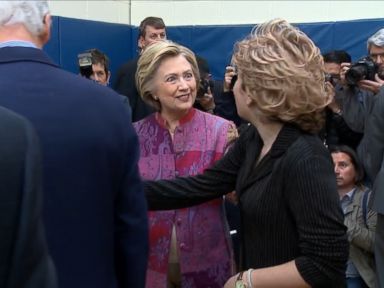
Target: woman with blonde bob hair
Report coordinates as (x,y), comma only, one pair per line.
(188,247)
(292,225)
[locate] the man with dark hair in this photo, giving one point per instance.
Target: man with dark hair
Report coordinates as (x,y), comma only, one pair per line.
(100,67)
(332,64)
(336,130)
(368,115)
(96,67)
(95,212)
(357,100)
(204,98)
(151,29)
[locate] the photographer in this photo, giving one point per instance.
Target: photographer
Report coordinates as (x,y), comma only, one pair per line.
(360,82)
(204,98)
(370,109)
(336,130)
(94,65)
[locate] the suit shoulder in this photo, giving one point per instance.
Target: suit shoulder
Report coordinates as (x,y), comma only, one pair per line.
(129,66)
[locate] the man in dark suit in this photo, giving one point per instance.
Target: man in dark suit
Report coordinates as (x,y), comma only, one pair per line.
(151,29)
(24,259)
(371,152)
(94,207)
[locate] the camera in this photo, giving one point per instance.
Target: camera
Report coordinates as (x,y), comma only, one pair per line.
(85,64)
(334,79)
(203,87)
(364,69)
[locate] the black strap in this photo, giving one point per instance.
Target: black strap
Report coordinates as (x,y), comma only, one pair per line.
(364,204)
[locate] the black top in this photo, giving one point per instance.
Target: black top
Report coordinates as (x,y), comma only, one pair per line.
(289,203)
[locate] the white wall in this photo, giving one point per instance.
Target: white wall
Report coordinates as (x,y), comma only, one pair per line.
(186,12)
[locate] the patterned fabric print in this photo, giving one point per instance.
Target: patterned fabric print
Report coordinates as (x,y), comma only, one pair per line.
(202,237)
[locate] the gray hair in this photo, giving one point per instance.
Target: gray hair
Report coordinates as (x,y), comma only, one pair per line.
(376,39)
(30,13)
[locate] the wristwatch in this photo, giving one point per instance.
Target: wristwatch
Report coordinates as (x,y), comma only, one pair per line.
(239,281)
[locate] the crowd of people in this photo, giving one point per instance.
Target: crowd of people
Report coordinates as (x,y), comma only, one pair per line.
(272,177)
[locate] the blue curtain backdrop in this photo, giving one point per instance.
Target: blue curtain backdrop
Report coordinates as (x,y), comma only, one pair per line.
(215,43)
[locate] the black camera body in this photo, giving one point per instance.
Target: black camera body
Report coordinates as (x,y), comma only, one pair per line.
(203,87)
(364,69)
(85,64)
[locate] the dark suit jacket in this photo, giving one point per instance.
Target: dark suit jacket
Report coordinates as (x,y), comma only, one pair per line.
(94,207)
(126,85)
(371,151)
(24,259)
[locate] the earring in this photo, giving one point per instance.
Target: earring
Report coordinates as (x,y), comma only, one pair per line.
(155,97)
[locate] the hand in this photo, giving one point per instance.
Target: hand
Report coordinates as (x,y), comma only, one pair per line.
(207,101)
(229,73)
(333,105)
(373,86)
(344,67)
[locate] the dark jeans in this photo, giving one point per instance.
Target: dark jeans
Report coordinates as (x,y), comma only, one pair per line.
(356,282)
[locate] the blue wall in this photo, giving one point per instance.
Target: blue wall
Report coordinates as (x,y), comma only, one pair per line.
(215,43)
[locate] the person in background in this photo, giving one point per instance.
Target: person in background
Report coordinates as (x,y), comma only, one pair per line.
(371,154)
(293,233)
(225,105)
(94,65)
(94,210)
(204,97)
(358,217)
(358,96)
(188,247)
(332,64)
(336,130)
(24,257)
(151,30)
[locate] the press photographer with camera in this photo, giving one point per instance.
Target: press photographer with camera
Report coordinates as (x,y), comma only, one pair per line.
(94,65)
(336,131)
(204,97)
(360,82)
(363,106)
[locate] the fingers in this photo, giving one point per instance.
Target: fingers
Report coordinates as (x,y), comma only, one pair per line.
(378,79)
(344,67)
(372,86)
(229,73)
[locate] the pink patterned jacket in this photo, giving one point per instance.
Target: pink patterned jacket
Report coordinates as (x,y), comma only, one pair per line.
(204,248)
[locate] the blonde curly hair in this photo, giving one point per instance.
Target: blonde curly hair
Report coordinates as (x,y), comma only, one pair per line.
(150,61)
(283,72)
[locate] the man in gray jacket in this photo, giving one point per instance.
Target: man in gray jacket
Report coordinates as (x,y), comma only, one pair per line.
(357,100)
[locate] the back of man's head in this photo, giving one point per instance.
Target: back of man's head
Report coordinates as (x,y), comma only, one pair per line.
(337,56)
(376,39)
(29,13)
(155,22)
